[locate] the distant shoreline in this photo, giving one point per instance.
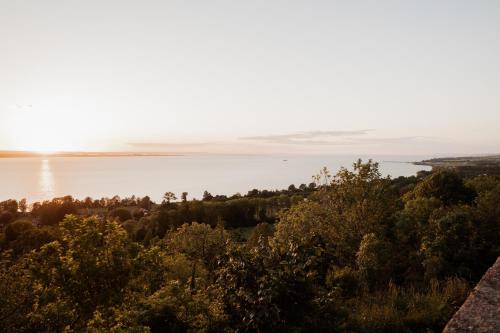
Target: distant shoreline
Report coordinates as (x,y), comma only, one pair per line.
(467,165)
(460,161)
(26,154)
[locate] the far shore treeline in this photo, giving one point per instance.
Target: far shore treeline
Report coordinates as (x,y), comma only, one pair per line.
(234,211)
(350,252)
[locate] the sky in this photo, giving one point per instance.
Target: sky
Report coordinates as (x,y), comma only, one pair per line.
(379,77)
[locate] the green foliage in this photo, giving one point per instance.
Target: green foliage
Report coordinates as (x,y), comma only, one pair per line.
(168,197)
(373,260)
(452,245)
(16,293)
(354,253)
(52,212)
(200,243)
(122,214)
(74,276)
(446,186)
(260,234)
(16,229)
(397,309)
(10,206)
(345,279)
(354,204)
(6,217)
(265,291)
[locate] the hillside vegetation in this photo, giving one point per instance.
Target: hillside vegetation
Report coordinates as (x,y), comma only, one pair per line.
(353,252)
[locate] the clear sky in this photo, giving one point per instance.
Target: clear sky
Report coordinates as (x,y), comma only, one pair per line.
(403,77)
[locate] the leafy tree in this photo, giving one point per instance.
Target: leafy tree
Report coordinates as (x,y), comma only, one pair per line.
(11,206)
(52,212)
(265,291)
(200,243)
(5,218)
(15,229)
(355,203)
(86,270)
(145,203)
(16,294)
(207,196)
(168,197)
(373,260)
(122,214)
(261,234)
(452,245)
(444,185)
(23,206)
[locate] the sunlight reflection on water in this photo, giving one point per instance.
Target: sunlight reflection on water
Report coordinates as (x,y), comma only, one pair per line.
(46,180)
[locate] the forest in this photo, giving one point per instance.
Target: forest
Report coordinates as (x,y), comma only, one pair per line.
(350,252)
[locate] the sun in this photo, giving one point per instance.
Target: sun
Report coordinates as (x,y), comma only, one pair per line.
(42,132)
(41,141)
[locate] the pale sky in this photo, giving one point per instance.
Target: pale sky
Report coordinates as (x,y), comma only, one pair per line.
(402,77)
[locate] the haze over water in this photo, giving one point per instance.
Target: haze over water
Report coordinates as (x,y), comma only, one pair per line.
(45,178)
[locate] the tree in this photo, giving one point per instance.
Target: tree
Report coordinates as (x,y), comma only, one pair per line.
(444,185)
(23,206)
(169,197)
(5,218)
(184,196)
(207,196)
(201,243)
(145,202)
(373,260)
(11,206)
(263,290)
(87,270)
(354,204)
(88,202)
(15,229)
(17,295)
(138,213)
(311,186)
(453,243)
(122,214)
(54,211)
(261,234)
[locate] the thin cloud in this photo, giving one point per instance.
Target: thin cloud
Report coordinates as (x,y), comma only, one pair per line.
(299,139)
(404,139)
(165,145)
(304,138)
(334,138)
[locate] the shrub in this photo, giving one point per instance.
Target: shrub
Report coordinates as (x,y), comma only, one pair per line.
(122,214)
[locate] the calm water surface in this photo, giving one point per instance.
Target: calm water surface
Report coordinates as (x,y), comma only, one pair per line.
(44,178)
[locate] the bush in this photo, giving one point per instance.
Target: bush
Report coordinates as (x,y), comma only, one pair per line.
(6,218)
(122,214)
(15,229)
(398,309)
(138,213)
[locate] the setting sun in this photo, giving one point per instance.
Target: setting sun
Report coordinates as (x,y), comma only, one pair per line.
(42,131)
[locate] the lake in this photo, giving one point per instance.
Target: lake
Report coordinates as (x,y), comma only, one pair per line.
(40,178)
